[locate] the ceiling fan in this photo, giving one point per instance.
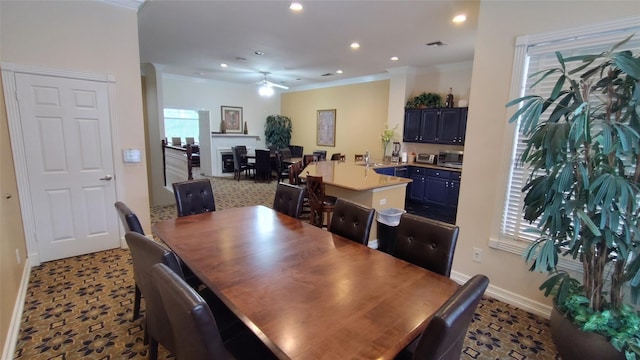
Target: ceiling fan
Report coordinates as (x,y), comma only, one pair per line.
(266,86)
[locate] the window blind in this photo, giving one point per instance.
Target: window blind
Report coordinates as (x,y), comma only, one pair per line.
(542,56)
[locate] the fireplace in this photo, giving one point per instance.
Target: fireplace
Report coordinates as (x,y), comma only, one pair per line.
(226,161)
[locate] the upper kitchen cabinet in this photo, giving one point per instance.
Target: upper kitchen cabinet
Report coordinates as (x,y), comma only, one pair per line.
(435,126)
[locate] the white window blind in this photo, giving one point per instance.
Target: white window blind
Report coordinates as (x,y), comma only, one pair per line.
(541,56)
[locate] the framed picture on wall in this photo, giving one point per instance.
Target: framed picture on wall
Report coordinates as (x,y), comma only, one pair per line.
(231,116)
(326,127)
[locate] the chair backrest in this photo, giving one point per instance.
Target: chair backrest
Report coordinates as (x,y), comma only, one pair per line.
(335,156)
(444,335)
(272,149)
(296,151)
(307,159)
(285,153)
(294,173)
(263,161)
(358,157)
(427,243)
(176,141)
(320,155)
(194,197)
(288,200)
(352,221)
(242,151)
(315,191)
(146,253)
(193,327)
(129,220)
(190,140)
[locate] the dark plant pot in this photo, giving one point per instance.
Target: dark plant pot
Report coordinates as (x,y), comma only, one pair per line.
(573,343)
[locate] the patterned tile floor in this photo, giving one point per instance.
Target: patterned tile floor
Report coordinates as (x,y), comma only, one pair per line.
(81,307)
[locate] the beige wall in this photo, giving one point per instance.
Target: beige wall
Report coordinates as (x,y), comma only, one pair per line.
(83,36)
(361,116)
(11,233)
(479,209)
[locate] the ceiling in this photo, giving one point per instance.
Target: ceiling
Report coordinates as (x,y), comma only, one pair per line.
(194,37)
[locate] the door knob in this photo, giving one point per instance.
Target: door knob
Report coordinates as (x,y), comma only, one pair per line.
(107,177)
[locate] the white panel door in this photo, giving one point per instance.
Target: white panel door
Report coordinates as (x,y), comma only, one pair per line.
(66,131)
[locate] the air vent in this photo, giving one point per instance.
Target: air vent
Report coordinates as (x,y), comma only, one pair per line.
(239,58)
(327,74)
(436,43)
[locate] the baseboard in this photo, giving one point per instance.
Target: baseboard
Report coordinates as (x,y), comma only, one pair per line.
(509,297)
(16,318)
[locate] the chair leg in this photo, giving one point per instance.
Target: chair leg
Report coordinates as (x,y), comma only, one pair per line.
(153,349)
(136,303)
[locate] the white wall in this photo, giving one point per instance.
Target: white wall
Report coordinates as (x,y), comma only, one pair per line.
(92,37)
(192,93)
(479,208)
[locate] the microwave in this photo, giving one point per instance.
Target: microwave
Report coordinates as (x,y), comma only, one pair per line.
(426,158)
(450,157)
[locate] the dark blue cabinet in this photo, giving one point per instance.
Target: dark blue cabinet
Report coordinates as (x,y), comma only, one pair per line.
(435,126)
(435,192)
(385,171)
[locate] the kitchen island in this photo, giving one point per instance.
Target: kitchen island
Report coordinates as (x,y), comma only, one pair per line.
(361,184)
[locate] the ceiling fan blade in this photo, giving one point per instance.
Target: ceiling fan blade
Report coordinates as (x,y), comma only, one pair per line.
(277,85)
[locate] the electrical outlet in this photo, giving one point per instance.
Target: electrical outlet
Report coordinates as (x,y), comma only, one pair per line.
(477,255)
(383,201)
(18,256)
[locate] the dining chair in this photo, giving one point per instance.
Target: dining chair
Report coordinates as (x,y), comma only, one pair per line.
(238,163)
(131,222)
(320,155)
(319,202)
(145,253)
(427,243)
(307,159)
(263,165)
(282,167)
(358,157)
(285,153)
(190,140)
(296,151)
(289,199)
(194,327)
(176,141)
(335,156)
(194,197)
(444,336)
(352,221)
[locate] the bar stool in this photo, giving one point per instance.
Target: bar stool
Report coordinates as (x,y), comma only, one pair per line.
(319,202)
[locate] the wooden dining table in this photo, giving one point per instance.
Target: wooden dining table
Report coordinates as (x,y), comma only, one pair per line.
(305,292)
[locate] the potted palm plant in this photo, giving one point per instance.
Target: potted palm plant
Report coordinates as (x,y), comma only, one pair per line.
(277,130)
(583,145)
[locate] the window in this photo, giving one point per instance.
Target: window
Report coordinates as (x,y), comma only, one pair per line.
(181,123)
(534,53)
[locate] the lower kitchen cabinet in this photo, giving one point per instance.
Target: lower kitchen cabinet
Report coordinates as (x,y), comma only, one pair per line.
(434,193)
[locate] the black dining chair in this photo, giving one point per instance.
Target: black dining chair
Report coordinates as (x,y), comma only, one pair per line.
(194,197)
(320,155)
(335,156)
(240,163)
(289,200)
(131,222)
(352,221)
(444,336)
(145,253)
(427,243)
(263,165)
(296,151)
(194,327)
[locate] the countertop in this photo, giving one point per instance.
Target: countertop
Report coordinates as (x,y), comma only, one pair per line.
(352,175)
(388,164)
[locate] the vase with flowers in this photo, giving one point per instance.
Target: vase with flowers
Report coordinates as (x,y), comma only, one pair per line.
(387,136)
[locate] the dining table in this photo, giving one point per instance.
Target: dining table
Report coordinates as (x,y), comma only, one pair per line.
(305,292)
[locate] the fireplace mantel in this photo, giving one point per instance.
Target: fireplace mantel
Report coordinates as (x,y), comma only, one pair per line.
(214,135)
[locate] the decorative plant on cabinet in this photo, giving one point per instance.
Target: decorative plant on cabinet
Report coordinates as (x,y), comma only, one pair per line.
(583,145)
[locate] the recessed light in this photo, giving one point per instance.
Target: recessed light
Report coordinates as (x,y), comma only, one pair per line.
(259,53)
(355,45)
(339,71)
(295,6)
(458,19)
(223,65)
(394,58)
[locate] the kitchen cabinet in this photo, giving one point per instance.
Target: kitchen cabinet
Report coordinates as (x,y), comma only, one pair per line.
(435,192)
(436,126)
(385,171)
